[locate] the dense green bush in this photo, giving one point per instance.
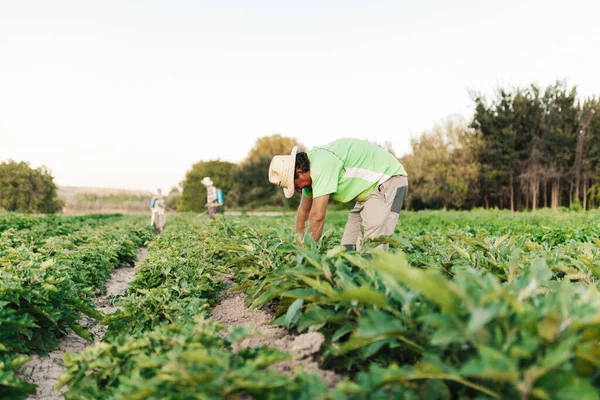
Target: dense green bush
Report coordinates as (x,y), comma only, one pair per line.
(27,190)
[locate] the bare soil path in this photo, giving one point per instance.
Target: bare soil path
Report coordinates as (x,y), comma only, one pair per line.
(45,370)
(232,312)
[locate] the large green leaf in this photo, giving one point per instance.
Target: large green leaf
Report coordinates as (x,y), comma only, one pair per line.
(430,283)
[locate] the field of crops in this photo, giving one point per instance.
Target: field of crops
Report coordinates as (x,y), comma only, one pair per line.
(470,305)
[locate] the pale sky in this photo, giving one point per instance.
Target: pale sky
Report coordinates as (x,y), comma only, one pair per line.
(129,94)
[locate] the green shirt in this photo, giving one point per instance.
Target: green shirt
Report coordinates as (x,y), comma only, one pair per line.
(350,169)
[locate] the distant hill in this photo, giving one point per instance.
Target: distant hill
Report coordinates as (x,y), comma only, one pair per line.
(85,200)
(68,192)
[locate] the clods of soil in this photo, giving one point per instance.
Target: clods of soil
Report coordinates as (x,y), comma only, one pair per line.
(232,312)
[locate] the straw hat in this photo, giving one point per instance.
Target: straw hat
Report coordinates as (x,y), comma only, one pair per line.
(281,172)
(206,181)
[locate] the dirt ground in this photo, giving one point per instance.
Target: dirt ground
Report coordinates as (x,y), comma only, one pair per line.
(231,312)
(45,370)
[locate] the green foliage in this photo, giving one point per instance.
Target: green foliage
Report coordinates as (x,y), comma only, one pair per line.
(181,361)
(11,386)
(173,198)
(443,167)
(193,197)
(47,277)
(270,146)
(466,305)
(245,185)
(253,189)
(161,345)
(27,190)
(485,312)
(536,142)
(576,206)
(176,282)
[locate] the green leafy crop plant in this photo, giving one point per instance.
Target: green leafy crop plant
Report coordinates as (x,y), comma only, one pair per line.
(47,278)
(466,305)
(485,309)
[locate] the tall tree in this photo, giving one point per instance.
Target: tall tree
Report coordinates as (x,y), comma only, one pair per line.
(528,113)
(586,113)
(252,188)
(530,144)
(27,190)
(559,137)
(591,157)
(173,198)
(495,122)
(269,146)
(443,166)
(529,161)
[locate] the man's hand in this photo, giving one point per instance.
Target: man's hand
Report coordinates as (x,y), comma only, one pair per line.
(316,218)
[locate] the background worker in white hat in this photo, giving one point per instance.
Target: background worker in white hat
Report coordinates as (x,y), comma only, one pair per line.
(347,170)
(211,197)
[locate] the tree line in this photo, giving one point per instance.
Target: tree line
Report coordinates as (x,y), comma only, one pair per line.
(245,185)
(524,148)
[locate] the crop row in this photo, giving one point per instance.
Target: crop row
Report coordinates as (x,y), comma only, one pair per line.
(478,314)
(162,345)
(469,305)
(48,279)
(498,316)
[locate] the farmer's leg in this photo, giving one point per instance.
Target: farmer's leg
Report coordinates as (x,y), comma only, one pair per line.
(352,231)
(378,217)
(373,216)
(160,223)
(397,190)
(152,218)
(211,212)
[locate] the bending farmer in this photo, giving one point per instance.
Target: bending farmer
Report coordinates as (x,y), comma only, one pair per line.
(347,170)
(211,197)
(158,212)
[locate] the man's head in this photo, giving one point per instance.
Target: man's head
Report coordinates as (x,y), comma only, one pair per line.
(159,192)
(206,181)
(302,177)
(291,172)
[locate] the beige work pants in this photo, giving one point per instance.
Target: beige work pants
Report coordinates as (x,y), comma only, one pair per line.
(378,215)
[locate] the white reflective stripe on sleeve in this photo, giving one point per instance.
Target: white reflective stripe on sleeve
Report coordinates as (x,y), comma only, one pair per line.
(366,174)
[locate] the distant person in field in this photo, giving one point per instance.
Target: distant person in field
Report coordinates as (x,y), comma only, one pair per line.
(159,216)
(153,208)
(211,197)
(346,170)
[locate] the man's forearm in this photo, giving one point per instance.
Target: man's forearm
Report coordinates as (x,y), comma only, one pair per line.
(315,227)
(301,218)
(316,218)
